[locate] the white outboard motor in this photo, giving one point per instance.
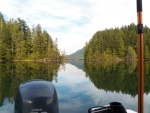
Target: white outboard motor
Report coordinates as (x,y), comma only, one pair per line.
(36,96)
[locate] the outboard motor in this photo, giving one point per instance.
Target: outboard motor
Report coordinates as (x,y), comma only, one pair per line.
(113,107)
(36,96)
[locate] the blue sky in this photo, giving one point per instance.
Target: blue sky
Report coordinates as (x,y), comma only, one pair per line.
(73,22)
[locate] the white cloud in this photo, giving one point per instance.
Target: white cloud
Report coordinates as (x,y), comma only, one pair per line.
(74,22)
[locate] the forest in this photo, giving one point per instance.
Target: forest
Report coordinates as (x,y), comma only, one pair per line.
(116,43)
(19,42)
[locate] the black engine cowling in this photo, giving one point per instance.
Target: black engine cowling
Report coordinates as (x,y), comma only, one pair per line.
(36,96)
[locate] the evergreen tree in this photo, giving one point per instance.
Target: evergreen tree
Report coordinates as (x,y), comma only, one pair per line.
(5,40)
(18,42)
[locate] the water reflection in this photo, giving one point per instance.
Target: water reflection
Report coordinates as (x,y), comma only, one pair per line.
(112,76)
(71,90)
(119,80)
(78,86)
(78,63)
(12,74)
(77,93)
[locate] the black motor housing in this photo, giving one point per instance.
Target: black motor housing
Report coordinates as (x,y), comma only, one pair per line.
(36,96)
(113,107)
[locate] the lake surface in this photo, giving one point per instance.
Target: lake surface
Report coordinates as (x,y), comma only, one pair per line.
(79,84)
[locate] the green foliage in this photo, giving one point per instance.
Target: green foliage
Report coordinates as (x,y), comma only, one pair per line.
(19,42)
(116,43)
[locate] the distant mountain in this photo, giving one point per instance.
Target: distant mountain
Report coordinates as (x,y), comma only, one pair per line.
(79,54)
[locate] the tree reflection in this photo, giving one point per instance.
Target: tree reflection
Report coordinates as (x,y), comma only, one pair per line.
(112,76)
(14,73)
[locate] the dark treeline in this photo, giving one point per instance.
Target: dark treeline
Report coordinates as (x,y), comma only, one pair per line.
(19,42)
(116,43)
(117,77)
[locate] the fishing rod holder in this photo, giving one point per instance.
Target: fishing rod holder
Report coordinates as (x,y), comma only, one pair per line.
(113,107)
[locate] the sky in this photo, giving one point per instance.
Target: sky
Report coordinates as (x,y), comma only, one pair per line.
(74,22)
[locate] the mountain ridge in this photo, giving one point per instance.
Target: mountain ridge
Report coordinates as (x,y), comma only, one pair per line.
(79,54)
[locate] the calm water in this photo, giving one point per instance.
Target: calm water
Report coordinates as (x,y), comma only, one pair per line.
(79,85)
